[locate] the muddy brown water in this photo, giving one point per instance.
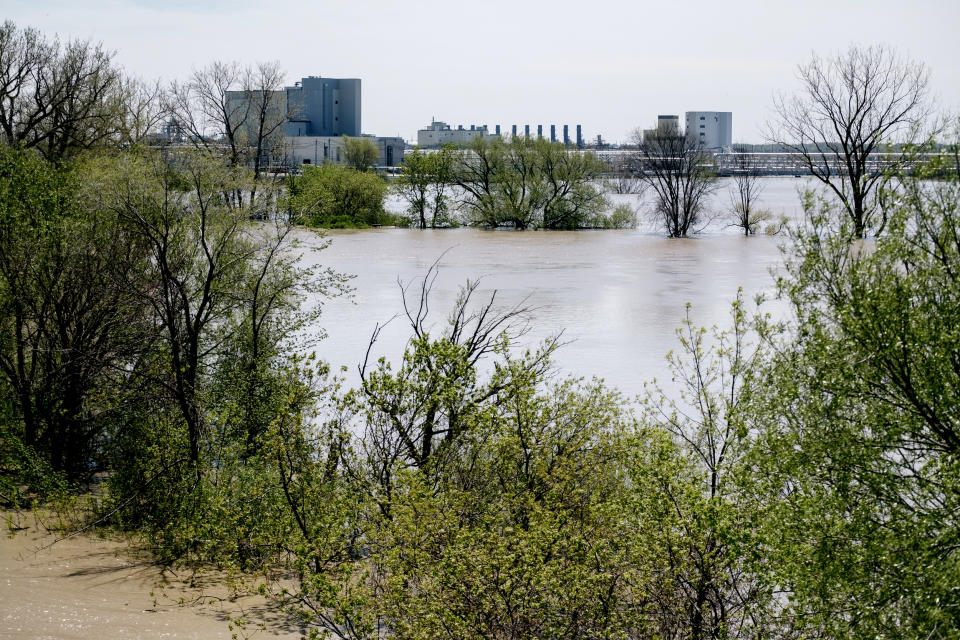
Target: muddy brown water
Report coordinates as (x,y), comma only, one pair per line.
(617,296)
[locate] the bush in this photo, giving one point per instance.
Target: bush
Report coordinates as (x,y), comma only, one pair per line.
(338,197)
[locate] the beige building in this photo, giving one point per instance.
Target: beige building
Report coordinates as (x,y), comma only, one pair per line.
(440,133)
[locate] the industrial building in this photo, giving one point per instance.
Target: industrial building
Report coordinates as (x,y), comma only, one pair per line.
(323,149)
(712,130)
(312,107)
(316,113)
(439,133)
(323,107)
(667,125)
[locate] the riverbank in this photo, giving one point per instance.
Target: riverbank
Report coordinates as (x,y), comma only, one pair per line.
(89,587)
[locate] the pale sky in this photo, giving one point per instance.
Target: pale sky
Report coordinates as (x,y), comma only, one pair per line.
(610,65)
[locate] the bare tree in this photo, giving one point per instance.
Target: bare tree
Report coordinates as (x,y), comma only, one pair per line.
(57,97)
(852,107)
(680,173)
(625,180)
(745,192)
(238,111)
(144,109)
(204,110)
(268,110)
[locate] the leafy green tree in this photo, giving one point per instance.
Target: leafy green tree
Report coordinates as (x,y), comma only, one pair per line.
(523,535)
(333,196)
(859,441)
(714,582)
(69,326)
(360,153)
(224,295)
(571,198)
(278,299)
(416,414)
(477,172)
(529,184)
(424,181)
(199,250)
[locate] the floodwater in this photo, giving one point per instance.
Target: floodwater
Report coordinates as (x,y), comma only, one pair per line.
(617,296)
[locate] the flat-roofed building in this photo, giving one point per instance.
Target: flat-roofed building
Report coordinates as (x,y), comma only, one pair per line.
(712,130)
(667,125)
(440,133)
(329,149)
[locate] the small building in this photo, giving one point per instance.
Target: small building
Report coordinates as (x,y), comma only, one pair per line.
(440,133)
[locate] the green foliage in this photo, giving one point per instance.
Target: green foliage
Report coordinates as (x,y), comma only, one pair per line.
(858,454)
(529,184)
(335,197)
(714,583)
(360,153)
(792,480)
(68,325)
(622,217)
(424,182)
(522,535)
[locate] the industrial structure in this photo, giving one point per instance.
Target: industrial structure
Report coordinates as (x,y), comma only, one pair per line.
(439,133)
(667,125)
(712,130)
(323,107)
(314,114)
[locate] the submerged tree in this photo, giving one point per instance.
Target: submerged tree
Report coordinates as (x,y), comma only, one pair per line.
(336,196)
(625,180)
(360,153)
(853,107)
(527,183)
(680,173)
(745,191)
(424,182)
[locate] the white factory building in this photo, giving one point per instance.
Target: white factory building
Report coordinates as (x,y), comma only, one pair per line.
(713,130)
(439,133)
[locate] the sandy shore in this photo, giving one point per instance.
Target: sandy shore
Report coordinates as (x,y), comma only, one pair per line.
(86,587)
